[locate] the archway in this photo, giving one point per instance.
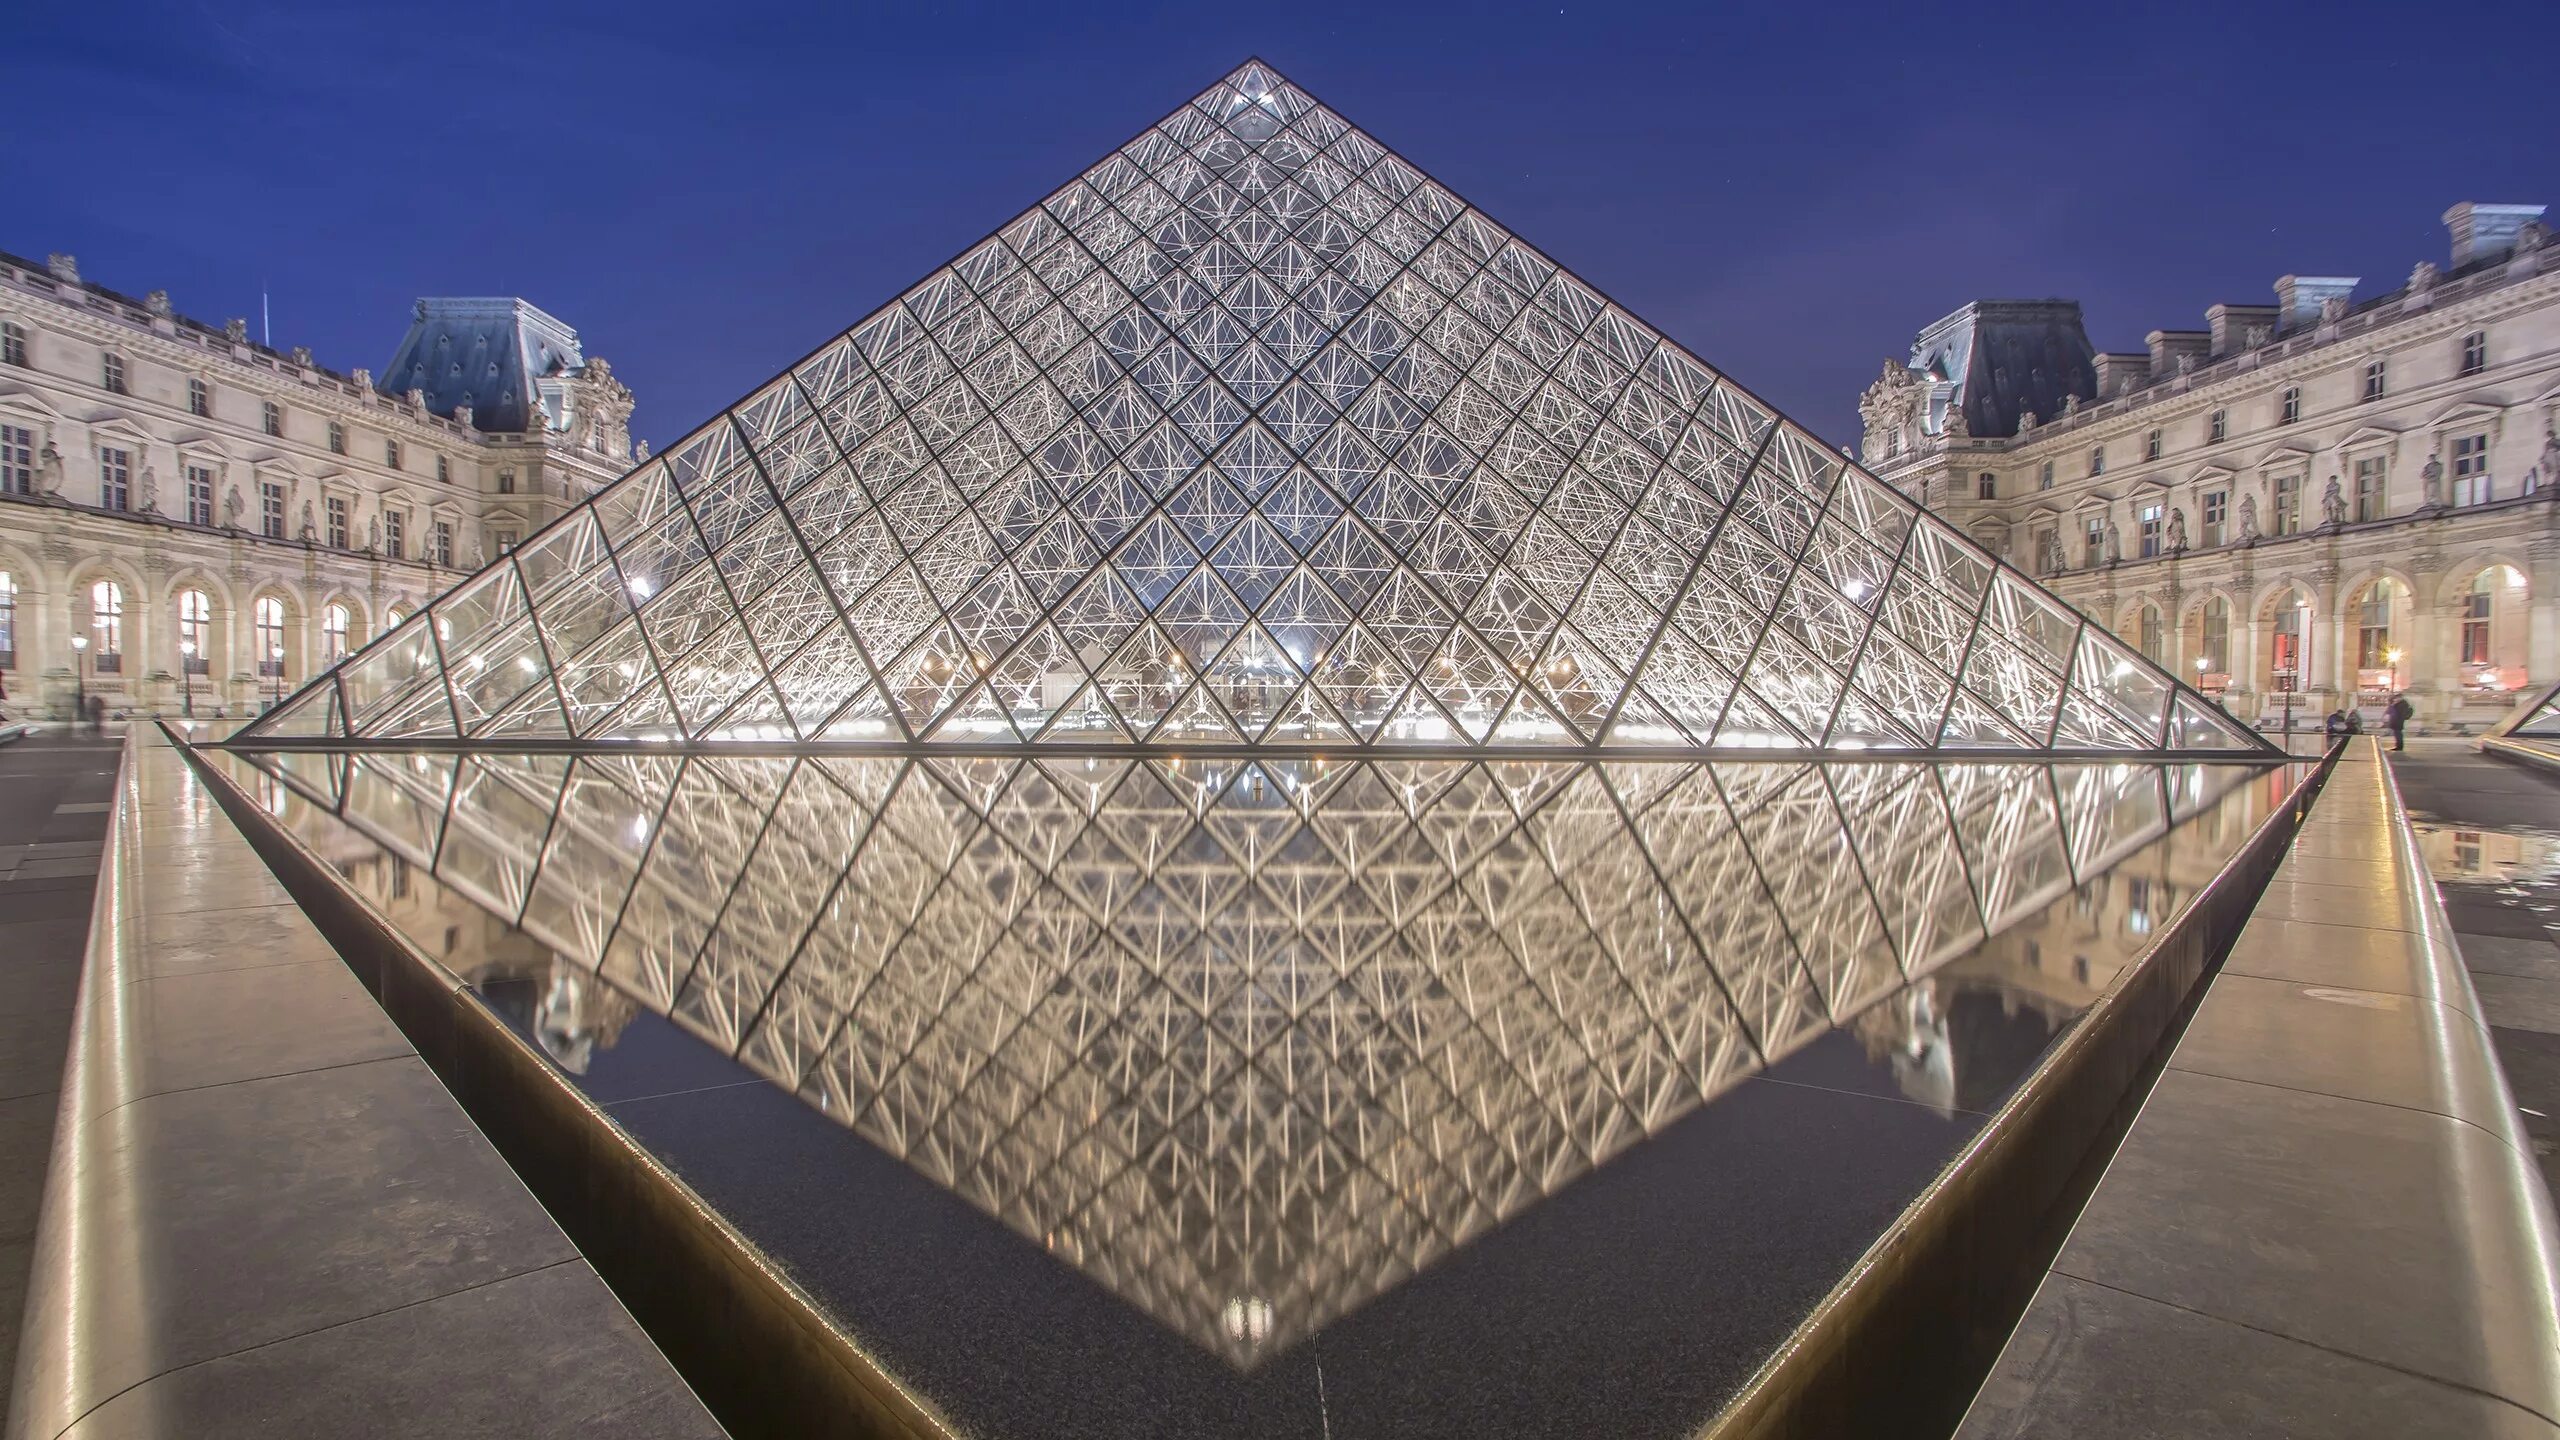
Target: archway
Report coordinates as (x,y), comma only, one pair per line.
(2492,631)
(2378,631)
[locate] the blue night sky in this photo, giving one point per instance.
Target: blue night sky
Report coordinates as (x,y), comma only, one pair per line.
(708,191)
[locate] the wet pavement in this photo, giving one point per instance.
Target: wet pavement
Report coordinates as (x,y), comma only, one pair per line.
(54,796)
(2490,831)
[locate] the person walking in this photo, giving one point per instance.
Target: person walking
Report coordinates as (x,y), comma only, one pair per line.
(2397,717)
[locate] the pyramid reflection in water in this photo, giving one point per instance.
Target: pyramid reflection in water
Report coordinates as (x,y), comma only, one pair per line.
(1250,1042)
(1255,435)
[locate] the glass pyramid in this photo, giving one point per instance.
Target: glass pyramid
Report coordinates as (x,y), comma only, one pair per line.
(2538,719)
(1254,435)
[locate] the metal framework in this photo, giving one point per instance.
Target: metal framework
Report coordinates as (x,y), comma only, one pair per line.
(1250,1042)
(2538,720)
(1254,435)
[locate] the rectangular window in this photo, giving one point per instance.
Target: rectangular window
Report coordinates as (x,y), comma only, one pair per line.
(199,495)
(2098,460)
(391,453)
(271,509)
(2217,516)
(1986,486)
(391,541)
(505,540)
(13,343)
(8,622)
(17,460)
(2377,379)
(2151,446)
(2373,630)
(2094,540)
(2148,517)
(2289,408)
(115,478)
(337,437)
(2471,470)
(444,542)
(444,470)
(2218,427)
(2044,476)
(111,372)
(2475,352)
(2288,506)
(337,522)
(199,398)
(2369,483)
(506,482)
(2475,627)
(271,415)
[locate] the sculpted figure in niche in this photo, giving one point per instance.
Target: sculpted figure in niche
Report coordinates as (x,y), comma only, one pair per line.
(307,529)
(2177,531)
(2115,543)
(150,491)
(373,533)
(49,470)
(2550,466)
(232,505)
(2248,517)
(2433,476)
(2333,505)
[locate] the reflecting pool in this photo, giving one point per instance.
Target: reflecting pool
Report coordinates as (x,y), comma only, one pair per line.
(1101,1094)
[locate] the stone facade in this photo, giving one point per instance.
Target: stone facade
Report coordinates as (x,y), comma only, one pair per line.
(166,481)
(2335,497)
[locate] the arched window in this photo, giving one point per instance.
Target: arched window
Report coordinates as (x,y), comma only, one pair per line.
(106,627)
(392,617)
(8,622)
(2493,630)
(269,627)
(195,631)
(2289,656)
(2214,645)
(333,634)
(2147,633)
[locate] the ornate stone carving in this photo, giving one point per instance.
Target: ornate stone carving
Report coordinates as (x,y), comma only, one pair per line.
(2070,404)
(2114,543)
(150,491)
(301,354)
(2177,530)
(640,450)
(2248,517)
(2333,504)
(232,505)
(2026,421)
(308,531)
(462,412)
(157,302)
(2432,476)
(236,329)
(49,470)
(363,377)
(1889,411)
(2333,309)
(57,545)
(65,268)
(2422,277)
(373,534)
(417,398)
(2532,236)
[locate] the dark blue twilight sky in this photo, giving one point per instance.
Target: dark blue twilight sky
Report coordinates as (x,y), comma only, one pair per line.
(709,190)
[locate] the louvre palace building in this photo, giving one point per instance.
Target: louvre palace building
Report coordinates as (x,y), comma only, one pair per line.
(2348,494)
(190,520)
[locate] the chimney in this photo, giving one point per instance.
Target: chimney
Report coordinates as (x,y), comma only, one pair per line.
(2233,325)
(2168,347)
(2486,232)
(2299,298)
(2118,374)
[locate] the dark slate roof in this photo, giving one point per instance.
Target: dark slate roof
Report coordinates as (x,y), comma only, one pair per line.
(484,351)
(2005,356)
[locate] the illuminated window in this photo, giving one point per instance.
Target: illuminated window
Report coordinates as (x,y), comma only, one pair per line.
(268,625)
(2288,506)
(2217,516)
(2369,487)
(2214,646)
(2147,633)
(333,634)
(2148,521)
(2471,470)
(106,626)
(195,631)
(8,622)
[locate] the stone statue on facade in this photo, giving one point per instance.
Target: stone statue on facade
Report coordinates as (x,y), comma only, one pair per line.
(373,533)
(2026,421)
(49,470)
(2333,309)
(2071,404)
(232,505)
(308,531)
(150,491)
(2186,364)
(2532,236)
(301,354)
(157,302)
(462,412)
(2114,543)
(2177,530)
(2422,277)
(65,268)
(2333,504)
(362,377)
(1956,428)
(639,450)
(2550,465)
(2432,481)
(2248,517)
(236,329)
(417,398)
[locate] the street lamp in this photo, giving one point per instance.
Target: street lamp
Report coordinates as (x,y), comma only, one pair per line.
(2391,657)
(187,674)
(276,653)
(80,678)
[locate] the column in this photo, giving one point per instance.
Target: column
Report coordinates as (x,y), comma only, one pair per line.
(2542,612)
